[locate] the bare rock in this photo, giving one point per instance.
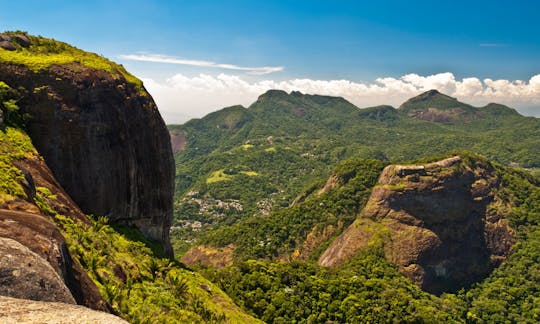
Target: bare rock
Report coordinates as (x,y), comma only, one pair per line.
(7,45)
(24,274)
(434,222)
(14,310)
(21,39)
(105,142)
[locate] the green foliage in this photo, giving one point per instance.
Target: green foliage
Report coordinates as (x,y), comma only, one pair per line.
(367,290)
(294,140)
(14,145)
(511,293)
(44,52)
(282,232)
(141,286)
(9,110)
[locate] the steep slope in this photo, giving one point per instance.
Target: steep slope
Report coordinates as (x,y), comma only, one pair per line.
(26,184)
(98,130)
(51,250)
(442,223)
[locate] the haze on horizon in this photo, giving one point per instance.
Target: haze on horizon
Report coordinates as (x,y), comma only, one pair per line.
(198,57)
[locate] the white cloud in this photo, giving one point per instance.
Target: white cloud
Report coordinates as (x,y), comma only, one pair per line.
(157,58)
(181,98)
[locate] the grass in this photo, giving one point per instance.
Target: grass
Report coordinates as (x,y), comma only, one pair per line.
(14,145)
(218,176)
(45,52)
(250,173)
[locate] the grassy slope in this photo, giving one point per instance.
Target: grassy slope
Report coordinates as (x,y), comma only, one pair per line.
(44,52)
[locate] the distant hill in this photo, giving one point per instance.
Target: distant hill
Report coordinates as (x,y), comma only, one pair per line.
(239,162)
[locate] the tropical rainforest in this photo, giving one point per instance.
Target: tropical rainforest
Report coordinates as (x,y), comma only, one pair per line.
(297,209)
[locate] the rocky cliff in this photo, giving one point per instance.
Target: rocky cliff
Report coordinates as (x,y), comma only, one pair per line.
(440,223)
(36,263)
(98,130)
(78,135)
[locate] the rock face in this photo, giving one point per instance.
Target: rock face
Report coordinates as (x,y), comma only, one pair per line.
(104,140)
(439,222)
(22,221)
(13,310)
(24,274)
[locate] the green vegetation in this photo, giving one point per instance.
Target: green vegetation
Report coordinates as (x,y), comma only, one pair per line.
(44,52)
(142,287)
(14,145)
(369,288)
(283,232)
(133,276)
(295,140)
(218,176)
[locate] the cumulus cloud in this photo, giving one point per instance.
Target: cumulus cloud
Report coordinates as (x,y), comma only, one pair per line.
(157,58)
(181,98)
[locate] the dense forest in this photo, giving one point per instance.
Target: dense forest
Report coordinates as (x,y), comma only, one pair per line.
(269,187)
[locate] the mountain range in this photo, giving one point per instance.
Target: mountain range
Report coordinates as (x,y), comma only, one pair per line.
(239,162)
(300,208)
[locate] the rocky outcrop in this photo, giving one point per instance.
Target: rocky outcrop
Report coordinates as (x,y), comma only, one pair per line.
(104,140)
(439,222)
(13,310)
(24,274)
(22,221)
(205,255)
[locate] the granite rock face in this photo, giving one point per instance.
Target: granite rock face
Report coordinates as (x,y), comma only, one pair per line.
(439,223)
(22,221)
(104,140)
(13,310)
(24,274)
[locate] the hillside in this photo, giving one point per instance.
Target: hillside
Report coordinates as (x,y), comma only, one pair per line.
(240,163)
(79,135)
(490,221)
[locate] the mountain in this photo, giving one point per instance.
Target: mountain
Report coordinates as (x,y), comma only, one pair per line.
(373,242)
(83,106)
(80,135)
(442,223)
(239,163)
(435,106)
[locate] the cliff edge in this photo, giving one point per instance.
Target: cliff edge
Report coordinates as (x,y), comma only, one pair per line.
(440,223)
(98,130)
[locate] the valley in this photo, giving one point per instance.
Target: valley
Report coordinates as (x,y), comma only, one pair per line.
(299,208)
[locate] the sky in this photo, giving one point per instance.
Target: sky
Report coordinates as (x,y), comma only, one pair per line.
(196,57)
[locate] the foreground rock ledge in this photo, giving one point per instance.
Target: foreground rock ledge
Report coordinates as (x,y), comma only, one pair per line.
(13,310)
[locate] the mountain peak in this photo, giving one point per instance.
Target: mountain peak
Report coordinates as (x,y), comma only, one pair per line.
(432,94)
(273,93)
(438,107)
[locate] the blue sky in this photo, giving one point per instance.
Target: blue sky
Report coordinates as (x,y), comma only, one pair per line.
(358,41)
